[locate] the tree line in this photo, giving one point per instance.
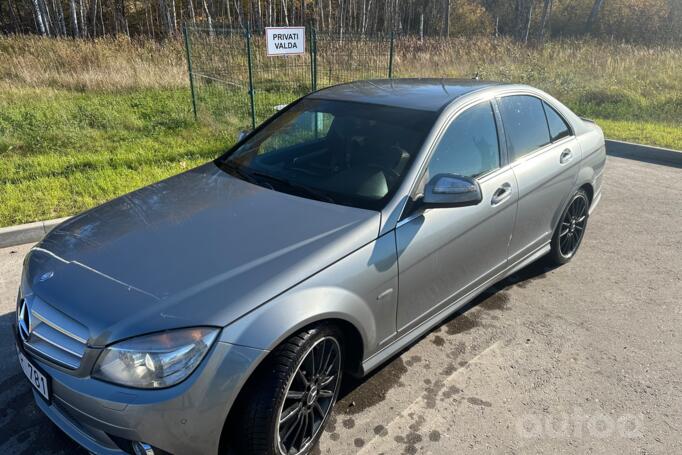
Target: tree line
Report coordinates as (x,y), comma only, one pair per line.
(632,20)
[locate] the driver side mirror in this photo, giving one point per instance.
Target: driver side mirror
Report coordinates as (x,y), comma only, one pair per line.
(450,190)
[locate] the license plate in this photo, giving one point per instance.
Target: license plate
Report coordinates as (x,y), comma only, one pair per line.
(39,380)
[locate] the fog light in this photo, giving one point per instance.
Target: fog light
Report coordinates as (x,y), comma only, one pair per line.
(140,448)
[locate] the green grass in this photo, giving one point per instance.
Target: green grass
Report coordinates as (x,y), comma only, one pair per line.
(667,135)
(654,120)
(62,152)
(83,121)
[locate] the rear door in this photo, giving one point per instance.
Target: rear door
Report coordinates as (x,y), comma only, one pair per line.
(444,253)
(545,159)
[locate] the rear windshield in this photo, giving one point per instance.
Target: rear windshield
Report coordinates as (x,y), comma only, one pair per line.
(347,153)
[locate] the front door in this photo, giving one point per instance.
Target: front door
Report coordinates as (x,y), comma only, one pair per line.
(445,253)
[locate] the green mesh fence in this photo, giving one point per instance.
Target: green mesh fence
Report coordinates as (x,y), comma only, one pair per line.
(217,58)
(346,58)
(278,80)
(236,83)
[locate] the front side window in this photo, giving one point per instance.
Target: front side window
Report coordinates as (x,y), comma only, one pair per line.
(469,147)
(348,153)
(558,128)
(524,124)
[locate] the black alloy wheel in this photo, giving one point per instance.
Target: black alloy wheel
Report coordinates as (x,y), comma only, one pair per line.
(573,226)
(571,229)
(284,408)
(309,397)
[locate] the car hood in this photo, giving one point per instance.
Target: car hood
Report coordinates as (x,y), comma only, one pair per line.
(200,248)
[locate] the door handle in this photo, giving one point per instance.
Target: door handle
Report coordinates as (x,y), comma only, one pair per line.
(501,194)
(566,156)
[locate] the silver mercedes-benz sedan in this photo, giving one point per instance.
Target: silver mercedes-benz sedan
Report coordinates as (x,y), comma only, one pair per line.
(217,310)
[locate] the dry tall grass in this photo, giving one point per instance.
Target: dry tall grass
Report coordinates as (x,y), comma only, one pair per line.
(561,67)
(103,64)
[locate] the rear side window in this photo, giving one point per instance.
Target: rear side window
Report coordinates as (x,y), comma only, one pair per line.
(524,124)
(557,125)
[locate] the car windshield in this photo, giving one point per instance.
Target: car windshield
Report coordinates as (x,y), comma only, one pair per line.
(347,153)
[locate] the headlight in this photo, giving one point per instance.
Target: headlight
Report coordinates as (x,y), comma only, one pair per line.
(157,360)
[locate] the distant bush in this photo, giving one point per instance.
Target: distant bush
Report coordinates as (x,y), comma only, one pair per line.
(471,18)
(634,20)
(643,21)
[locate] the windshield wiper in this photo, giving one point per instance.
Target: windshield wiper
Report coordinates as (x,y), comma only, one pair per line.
(237,170)
(312,192)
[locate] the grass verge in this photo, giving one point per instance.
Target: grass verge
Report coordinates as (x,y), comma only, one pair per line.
(63,152)
(82,122)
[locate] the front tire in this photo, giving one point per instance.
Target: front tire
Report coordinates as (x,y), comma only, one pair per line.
(292,396)
(571,229)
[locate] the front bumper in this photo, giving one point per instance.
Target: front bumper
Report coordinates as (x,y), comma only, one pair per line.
(184,419)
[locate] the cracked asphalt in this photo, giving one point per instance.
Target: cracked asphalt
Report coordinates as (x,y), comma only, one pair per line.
(585,358)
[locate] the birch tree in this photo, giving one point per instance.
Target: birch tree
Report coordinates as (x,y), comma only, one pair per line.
(93,17)
(159,19)
(74,19)
(84,20)
(38,15)
(592,18)
(546,11)
(59,17)
(16,24)
(209,19)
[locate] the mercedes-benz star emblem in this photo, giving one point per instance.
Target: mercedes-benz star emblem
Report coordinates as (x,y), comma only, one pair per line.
(24,321)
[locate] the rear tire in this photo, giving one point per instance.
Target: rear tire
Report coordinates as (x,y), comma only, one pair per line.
(292,396)
(570,231)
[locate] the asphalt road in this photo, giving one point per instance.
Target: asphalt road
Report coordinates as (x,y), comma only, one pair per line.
(586,358)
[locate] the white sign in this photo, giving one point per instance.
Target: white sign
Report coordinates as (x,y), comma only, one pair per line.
(285,40)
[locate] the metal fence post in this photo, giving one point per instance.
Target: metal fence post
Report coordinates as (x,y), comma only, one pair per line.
(189,69)
(390,56)
(314,59)
(251,90)
(312,64)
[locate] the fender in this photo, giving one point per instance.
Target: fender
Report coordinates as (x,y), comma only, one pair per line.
(360,289)
(592,161)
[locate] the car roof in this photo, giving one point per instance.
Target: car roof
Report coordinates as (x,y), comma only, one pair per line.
(424,94)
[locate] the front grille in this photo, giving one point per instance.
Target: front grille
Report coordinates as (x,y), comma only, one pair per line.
(54,335)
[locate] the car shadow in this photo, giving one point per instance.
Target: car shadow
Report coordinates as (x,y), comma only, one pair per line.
(357,394)
(24,429)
